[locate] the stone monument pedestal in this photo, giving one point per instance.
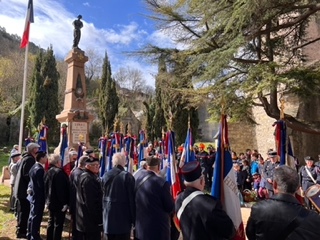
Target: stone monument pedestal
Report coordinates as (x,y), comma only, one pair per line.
(74,113)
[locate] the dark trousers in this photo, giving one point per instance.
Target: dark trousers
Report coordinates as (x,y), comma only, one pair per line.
(118,236)
(55,225)
(75,232)
(35,218)
(89,236)
(23,210)
(12,199)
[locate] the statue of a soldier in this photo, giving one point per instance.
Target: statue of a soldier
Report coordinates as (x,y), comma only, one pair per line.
(77,31)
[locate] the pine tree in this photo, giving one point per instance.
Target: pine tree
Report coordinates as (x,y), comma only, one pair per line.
(108,98)
(43,102)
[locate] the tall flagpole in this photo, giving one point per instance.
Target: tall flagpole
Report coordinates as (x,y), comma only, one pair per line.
(23,97)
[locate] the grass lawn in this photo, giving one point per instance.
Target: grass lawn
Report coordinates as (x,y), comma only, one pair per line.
(7,218)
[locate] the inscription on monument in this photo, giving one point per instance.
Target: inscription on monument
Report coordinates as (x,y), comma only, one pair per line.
(79,131)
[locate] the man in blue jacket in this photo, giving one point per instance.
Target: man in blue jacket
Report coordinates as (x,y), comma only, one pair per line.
(154,203)
(36,196)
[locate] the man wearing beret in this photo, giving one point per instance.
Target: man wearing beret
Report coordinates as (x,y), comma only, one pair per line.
(268,171)
(201,216)
(308,177)
(36,195)
(154,203)
(21,186)
(89,202)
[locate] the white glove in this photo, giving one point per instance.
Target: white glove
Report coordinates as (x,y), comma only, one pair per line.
(29,191)
(65,207)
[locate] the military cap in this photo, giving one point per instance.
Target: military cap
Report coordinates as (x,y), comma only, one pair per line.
(191,171)
(91,160)
(89,151)
(15,154)
(272,154)
(309,158)
(152,161)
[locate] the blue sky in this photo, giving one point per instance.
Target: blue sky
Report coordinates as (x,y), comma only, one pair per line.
(112,25)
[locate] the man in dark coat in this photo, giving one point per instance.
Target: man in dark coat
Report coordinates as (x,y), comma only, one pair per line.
(308,176)
(282,216)
(268,171)
(57,191)
(74,180)
(36,196)
(154,203)
(21,186)
(119,208)
(203,158)
(202,217)
(89,202)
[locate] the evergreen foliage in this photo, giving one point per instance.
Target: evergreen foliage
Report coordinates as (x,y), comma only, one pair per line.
(43,101)
(240,54)
(108,98)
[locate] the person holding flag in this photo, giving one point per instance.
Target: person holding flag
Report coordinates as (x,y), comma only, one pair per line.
(224,186)
(200,215)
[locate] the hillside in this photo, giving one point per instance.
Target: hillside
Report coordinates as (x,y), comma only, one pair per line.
(11,43)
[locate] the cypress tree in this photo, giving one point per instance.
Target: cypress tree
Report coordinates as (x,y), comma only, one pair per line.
(108,98)
(44,93)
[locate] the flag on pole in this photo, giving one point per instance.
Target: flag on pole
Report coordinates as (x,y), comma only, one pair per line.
(142,139)
(64,153)
(188,153)
(26,31)
(129,141)
(103,146)
(281,139)
(224,185)
(172,173)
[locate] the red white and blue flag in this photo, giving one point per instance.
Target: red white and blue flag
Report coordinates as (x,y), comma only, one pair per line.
(188,153)
(29,20)
(224,186)
(64,153)
(172,173)
(142,143)
(103,142)
(284,148)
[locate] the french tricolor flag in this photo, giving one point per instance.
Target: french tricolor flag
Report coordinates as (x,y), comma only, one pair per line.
(224,185)
(29,19)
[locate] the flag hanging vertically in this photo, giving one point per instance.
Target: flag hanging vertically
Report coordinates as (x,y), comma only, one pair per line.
(64,153)
(26,31)
(129,141)
(281,139)
(103,146)
(142,140)
(224,186)
(188,153)
(172,173)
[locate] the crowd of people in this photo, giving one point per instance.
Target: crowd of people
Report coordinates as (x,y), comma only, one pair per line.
(121,204)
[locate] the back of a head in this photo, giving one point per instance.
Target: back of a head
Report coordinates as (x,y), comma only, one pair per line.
(287,179)
(54,159)
(153,162)
(119,159)
(82,161)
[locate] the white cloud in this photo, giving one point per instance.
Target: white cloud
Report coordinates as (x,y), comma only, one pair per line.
(53,26)
(86,4)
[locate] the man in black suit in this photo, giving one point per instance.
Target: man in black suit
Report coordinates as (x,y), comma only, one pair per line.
(36,196)
(89,202)
(57,191)
(154,203)
(21,186)
(74,180)
(118,200)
